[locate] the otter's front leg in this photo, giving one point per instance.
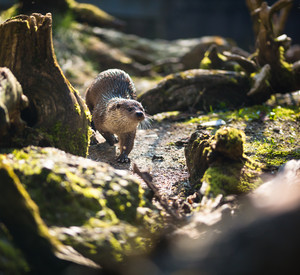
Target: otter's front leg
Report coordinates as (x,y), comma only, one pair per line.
(110,138)
(126,145)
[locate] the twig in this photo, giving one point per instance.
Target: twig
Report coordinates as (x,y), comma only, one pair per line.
(163,202)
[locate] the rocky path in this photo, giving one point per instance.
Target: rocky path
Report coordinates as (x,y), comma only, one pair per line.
(159,150)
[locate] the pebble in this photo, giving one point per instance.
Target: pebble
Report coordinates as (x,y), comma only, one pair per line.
(214,123)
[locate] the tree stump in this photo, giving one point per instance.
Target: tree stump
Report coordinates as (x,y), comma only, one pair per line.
(55,109)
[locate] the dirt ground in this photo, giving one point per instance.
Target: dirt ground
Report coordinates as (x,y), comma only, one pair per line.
(158,150)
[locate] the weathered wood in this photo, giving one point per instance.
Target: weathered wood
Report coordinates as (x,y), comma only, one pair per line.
(270,47)
(199,90)
(55,108)
(196,155)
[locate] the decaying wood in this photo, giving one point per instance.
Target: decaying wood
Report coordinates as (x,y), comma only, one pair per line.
(260,10)
(270,46)
(261,80)
(199,90)
(54,106)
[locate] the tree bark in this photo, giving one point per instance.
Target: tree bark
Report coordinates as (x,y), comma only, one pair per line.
(55,108)
(199,90)
(270,48)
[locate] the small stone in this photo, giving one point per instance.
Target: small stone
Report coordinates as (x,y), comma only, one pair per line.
(214,123)
(157,158)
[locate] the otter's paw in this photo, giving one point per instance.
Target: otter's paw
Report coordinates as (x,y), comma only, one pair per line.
(123,158)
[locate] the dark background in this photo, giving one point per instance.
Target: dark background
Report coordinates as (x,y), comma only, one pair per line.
(174,19)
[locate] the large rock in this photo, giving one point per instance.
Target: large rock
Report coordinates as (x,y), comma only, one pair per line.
(99,211)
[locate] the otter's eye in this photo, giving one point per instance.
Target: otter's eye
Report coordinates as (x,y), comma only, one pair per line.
(118,106)
(129,109)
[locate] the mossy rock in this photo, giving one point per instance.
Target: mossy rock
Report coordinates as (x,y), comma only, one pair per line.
(230,177)
(104,208)
(220,163)
(229,142)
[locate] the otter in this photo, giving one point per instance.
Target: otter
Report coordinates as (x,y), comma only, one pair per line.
(111,99)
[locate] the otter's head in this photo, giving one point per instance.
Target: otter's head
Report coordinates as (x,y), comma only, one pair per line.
(125,114)
(131,109)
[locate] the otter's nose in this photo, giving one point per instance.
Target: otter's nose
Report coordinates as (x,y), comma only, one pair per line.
(139,114)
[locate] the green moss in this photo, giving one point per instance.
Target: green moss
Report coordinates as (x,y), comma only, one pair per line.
(284,64)
(88,115)
(218,182)
(201,119)
(166,115)
(251,113)
(283,113)
(273,154)
(19,155)
(74,141)
(229,142)
(205,63)
(63,21)
(78,109)
(122,199)
(105,214)
(232,178)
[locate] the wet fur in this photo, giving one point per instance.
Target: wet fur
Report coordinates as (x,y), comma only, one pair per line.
(112,101)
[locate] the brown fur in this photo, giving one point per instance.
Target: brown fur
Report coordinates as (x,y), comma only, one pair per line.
(111,100)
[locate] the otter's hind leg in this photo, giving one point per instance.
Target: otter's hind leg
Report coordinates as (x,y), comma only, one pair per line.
(126,145)
(110,138)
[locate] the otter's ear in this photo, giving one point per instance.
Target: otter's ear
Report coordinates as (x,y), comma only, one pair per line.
(118,106)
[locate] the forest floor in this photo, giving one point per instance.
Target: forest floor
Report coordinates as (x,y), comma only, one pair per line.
(272,130)
(272,138)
